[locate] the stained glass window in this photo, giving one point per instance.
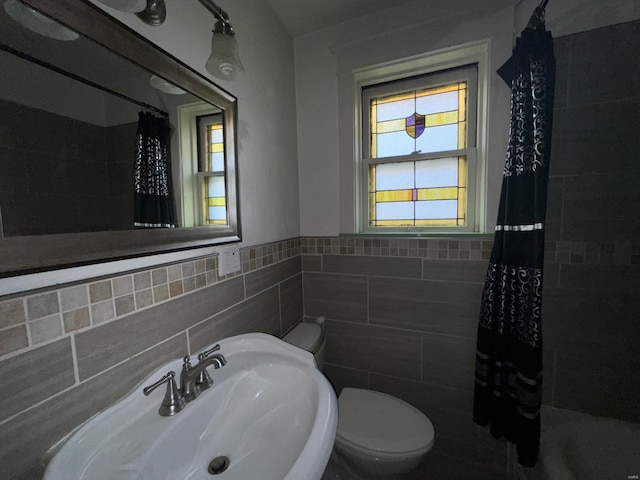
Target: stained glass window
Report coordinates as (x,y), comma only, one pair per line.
(418,154)
(212,171)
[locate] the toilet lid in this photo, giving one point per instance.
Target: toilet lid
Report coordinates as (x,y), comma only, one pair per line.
(307,336)
(379,422)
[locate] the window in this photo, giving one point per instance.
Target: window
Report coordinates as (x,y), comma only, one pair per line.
(419,159)
(211,178)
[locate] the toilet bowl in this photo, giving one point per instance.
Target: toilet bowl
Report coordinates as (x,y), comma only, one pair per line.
(379,437)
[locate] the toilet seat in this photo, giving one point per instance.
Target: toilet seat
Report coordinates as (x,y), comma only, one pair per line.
(376,424)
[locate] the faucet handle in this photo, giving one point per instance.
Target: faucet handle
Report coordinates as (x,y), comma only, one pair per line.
(186,362)
(172,402)
(206,353)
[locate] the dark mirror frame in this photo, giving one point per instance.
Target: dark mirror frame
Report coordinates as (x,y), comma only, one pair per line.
(31,254)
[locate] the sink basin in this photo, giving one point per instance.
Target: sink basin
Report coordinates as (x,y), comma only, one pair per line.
(270,412)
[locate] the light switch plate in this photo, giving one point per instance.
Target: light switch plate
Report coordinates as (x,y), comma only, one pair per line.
(228,260)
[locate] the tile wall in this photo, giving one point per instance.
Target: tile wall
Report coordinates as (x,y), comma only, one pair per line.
(67,353)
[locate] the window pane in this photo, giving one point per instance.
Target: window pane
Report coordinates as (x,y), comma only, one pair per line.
(442,172)
(215,186)
(394,210)
(395,176)
(218,213)
(393,110)
(437,209)
(441,102)
(217,162)
(395,144)
(436,139)
(216,134)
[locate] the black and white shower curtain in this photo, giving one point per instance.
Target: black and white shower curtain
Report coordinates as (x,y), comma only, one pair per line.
(153,192)
(508,376)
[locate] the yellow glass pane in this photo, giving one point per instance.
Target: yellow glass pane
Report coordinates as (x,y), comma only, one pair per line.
(394,196)
(394,98)
(462,135)
(462,206)
(446,193)
(442,89)
(394,223)
(216,222)
(462,104)
(216,147)
(437,223)
(217,201)
(392,126)
(462,172)
(444,118)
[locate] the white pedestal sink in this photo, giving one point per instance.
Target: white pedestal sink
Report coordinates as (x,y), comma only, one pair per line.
(270,412)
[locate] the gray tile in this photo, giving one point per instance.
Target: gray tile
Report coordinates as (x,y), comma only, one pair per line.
(12,312)
(260,313)
(122,286)
(42,305)
(73,298)
(429,306)
(455,270)
(609,55)
(76,319)
(103,346)
(339,297)
(582,320)
(13,338)
(448,361)
(312,263)
(264,278)
(341,377)
(45,329)
(372,266)
(595,382)
(587,217)
(25,438)
(382,350)
(291,306)
(33,376)
(597,138)
(100,291)
(600,278)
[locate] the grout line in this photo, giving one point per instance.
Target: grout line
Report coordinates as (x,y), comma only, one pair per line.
(74,358)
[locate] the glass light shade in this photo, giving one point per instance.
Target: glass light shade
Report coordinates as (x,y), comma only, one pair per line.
(131,6)
(224,61)
(38,23)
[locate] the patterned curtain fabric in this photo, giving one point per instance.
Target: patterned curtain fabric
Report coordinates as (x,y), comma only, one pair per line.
(153,193)
(508,377)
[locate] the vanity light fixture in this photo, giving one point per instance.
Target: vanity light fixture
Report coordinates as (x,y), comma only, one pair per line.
(38,23)
(151,12)
(224,61)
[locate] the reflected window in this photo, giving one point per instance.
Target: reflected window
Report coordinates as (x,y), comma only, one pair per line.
(211,177)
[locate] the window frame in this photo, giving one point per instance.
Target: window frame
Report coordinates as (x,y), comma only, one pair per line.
(466,73)
(477,53)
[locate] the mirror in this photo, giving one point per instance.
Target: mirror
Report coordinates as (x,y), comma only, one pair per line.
(70,139)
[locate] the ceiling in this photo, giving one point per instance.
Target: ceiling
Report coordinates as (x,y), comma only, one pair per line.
(303,16)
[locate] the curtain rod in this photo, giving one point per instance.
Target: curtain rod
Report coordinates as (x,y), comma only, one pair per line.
(73,76)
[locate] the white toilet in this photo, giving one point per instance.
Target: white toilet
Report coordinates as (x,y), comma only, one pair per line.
(379,436)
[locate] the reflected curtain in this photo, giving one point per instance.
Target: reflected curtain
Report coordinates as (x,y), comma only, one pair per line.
(508,374)
(153,189)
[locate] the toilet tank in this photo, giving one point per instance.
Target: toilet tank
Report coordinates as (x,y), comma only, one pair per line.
(309,337)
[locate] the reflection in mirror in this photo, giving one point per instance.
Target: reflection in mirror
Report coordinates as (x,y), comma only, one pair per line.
(92,141)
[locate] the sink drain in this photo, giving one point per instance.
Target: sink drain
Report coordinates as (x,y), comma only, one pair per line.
(218,465)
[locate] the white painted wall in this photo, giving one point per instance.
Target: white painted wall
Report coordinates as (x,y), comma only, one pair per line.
(325,59)
(268,166)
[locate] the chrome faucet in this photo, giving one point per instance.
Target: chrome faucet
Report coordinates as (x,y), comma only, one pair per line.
(193,380)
